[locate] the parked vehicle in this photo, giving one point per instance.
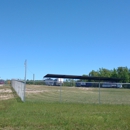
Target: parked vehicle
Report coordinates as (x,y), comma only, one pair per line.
(54,82)
(49,82)
(83,84)
(96,84)
(2,82)
(111,85)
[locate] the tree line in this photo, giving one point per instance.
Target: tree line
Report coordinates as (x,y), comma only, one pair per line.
(120,72)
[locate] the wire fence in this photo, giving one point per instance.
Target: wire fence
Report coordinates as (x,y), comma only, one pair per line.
(19,87)
(65,94)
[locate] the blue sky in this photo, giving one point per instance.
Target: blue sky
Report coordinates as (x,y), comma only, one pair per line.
(63,36)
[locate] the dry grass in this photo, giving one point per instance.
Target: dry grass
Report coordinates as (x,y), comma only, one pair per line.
(43,93)
(6,92)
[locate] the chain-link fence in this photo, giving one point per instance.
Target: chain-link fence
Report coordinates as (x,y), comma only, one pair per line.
(78,94)
(19,88)
(94,94)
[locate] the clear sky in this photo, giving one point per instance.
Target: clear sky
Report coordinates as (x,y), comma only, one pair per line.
(63,36)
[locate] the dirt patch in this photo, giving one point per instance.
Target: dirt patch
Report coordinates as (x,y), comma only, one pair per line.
(82,88)
(5,97)
(35,91)
(5,91)
(5,94)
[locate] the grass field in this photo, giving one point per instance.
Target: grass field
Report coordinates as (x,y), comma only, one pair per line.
(39,115)
(41,93)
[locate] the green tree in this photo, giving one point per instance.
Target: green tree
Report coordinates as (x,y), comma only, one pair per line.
(129,75)
(105,72)
(114,73)
(94,73)
(123,73)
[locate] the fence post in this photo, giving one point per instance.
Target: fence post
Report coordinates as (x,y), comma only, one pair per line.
(60,92)
(99,93)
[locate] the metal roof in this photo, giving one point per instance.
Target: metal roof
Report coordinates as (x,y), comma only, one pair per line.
(81,77)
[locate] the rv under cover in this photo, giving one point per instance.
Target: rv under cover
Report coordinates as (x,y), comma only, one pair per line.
(82,77)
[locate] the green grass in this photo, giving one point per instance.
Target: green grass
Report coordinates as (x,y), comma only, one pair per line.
(63,116)
(40,115)
(40,93)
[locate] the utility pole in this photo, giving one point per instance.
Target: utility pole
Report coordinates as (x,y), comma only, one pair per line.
(33,78)
(25,63)
(25,70)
